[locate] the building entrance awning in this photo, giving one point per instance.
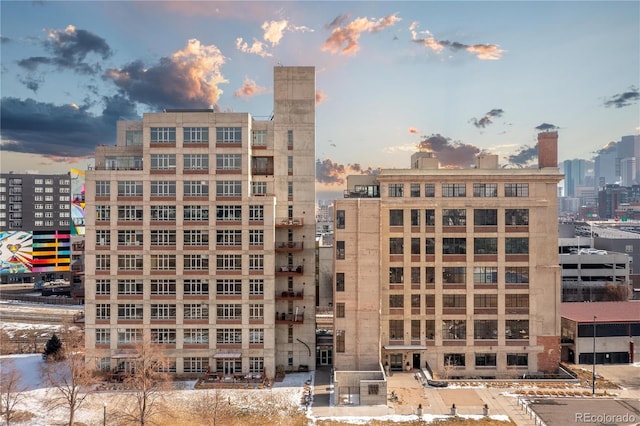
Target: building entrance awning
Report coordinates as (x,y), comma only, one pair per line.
(227,356)
(404,348)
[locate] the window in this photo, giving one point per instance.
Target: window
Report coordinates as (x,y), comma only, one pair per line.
(396,218)
(454,300)
(196,188)
(129,188)
(430,219)
(290,189)
(454,217)
(103,287)
(340,219)
(516,274)
(256,262)
(485,329)
(259,188)
(228,135)
(485,246)
(196,213)
(415,217)
(454,190)
(103,188)
(229,237)
(133,137)
(485,189)
(454,329)
(163,188)
(454,246)
(430,329)
(339,281)
(516,217)
(485,217)
(516,189)
(129,335)
(256,237)
(340,310)
(163,237)
(396,275)
(130,213)
(414,190)
(163,135)
(290,138)
(226,311)
(195,287)
(259,138)
(340,250)
(163,262)
(130,311)
(196,262)
(163,161)
(517,329)
(256,311)
(518,360)
(228,262)
(163,311)
(486,360)
(373,389)
(256,213)
(518,245)
(430,276)
(196,162)
(196,237)
(163,336)
(196,364)
(103,262)
(396,245)
(396,329)
(485,275)
(195,135)
(196,311)
(256,336)
(396,301)
(340,341)
(415,275)
(290,164)
(229,213)
(256,287)
(130,287)
(103,311)
(103,336)
(228,336)
(103,237)
(396,190)
(163,287)
(454,275)
(415,245)
(228,161)
(481,301)
(228,287)
(130,237)
(516,300)
(163,213)
(429,190)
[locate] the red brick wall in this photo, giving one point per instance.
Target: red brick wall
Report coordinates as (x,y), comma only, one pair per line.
(549,358)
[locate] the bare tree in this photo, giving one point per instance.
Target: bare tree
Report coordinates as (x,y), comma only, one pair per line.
(449,366)
(12,390)
(617,292)
(148,380)
(70,379)
(208,407)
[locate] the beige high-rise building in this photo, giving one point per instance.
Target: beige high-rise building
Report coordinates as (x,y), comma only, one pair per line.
(200,236)
(455,270)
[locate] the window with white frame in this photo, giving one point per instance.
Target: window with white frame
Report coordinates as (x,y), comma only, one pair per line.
(229,213)
(163,287)
(103,237)
(228,134)
(256,364)
(130,311)
(163,311)
(130,287)
(103,287)
(228,287)
(229,188)
(163,188)
(103,262)
(129,335)
(229,311)
(197,286)
(163,135)
(163,213)
(130,213)
(103,213)
(228,262)
(133,137)
(196,213)
(196,161)
(103,188)
(256,287)
(256,335)
(195,135)
(195,364)
(256,311)
(256,237)
(103,336)
(229,237)
(196,188)
(103,311)
(228,161)
(163,336)
(259,188)
(196,311)
(129,188)
(256,213)
(259,138)
(163,161)
(229,336)
(256,262)
(163,262)
(196,237)
(196,262)
(162,237)
(130,237)
(196,336)
(130,262)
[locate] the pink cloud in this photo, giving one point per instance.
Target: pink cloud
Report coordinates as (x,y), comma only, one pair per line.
(249,89)
(413,130)
(320,97)
(349,35)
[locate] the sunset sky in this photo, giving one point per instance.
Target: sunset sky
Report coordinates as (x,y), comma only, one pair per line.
(456,77)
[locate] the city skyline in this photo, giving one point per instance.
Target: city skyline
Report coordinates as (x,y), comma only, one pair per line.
(456,78)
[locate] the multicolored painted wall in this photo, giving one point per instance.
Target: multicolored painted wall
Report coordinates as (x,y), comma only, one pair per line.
(77,203)
(23,252)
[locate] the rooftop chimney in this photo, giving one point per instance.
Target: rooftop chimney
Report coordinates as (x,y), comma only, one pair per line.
(547,149)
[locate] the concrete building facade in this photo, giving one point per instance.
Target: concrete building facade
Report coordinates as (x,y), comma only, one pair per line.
(200,232)
(449,269)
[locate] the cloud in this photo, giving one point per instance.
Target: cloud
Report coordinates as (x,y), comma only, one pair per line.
(524,155)
(331,173)
(349,34)
(4,39)
(32,83)
(481,51)
(257,48)
(621,100)
(320,97)
(30,126)
(249,88)
(187,79)
(413,131)
(273,32)
(546,126)
(70,48)
(487,119)
(449,153)
(338,21)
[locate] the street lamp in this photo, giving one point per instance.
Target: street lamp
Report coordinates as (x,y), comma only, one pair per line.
(593,370)
(104,413)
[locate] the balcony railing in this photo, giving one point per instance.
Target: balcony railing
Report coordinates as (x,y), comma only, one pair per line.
(289,246)
(284,318)
(290,295)
(289,222)
(289,270)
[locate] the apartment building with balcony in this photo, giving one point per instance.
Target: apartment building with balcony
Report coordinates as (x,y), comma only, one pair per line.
(200,231)
(455,270)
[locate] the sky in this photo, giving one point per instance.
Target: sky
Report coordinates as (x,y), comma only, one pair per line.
(455,77)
